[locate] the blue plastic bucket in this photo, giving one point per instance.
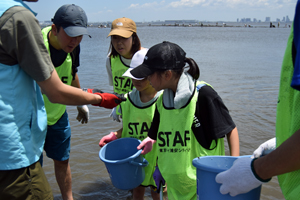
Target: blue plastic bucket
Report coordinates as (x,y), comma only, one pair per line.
(207,188)
(124,163)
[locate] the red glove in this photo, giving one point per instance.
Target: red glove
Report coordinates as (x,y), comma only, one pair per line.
(109,100)
(108,138)
(147,143)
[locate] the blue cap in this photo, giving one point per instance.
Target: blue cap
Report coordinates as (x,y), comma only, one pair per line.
(72,19)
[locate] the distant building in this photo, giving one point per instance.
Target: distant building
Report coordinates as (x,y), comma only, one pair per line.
(268,19)
(287,19)
(237,20)
(245,20)
(283,19)
(254,20)
(277,20)
(181,21)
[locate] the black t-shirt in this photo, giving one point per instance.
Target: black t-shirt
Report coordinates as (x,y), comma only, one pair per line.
(59,56)
(213,115)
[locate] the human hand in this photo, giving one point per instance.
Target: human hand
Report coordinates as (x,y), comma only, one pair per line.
(159,180)
(147,143)
(114,115)
(109,100)
(83,114)
(265,148)
(108,138)
(239,178)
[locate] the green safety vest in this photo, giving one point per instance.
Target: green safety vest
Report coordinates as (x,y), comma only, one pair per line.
(64,71)
(136,123)
(122,84)
(177,147)
(287,121)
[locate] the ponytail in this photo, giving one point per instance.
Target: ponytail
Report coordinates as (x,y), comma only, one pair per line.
(194,69)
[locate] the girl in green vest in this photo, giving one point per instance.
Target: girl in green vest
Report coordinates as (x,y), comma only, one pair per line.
(137,113)
(171,128)
(124,44)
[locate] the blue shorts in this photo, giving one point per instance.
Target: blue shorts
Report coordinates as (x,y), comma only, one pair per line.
(58,139)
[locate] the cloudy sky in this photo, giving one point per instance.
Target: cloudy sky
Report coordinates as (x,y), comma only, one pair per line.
(148,10)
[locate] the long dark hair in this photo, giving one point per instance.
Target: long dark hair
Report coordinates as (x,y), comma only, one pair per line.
(136,45)
(193,71)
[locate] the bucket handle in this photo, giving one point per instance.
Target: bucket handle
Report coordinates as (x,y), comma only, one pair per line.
(143,164)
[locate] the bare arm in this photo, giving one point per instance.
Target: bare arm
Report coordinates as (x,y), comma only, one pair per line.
(58,92)
(284,159)
(118,133)
(233,142)
(75,82)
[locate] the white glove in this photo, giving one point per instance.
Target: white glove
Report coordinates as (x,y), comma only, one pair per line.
(265,148)
(83,114)
(114,115)
(239,178)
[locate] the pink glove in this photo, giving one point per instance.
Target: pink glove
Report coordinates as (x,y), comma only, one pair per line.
(108,138)
(146,145)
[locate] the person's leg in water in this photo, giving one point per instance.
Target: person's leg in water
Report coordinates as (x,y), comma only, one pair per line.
(138,193)
(57,147)
(64,178)
(155,195)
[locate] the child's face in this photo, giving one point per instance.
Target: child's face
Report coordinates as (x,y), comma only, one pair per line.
(122,45)
(156,81)
(141,85)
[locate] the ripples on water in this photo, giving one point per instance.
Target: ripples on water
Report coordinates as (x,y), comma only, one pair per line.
(242,64)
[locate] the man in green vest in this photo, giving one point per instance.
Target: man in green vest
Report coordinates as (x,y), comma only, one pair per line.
(62,40)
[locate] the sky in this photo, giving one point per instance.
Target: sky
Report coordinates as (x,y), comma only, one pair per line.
(147,10)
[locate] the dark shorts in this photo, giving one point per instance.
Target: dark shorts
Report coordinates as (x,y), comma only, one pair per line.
(28,183)
(58,139)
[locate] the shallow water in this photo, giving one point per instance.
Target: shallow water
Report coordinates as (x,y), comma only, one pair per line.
(242,64)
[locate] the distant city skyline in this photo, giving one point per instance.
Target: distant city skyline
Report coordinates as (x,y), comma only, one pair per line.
(267,19)
(147,11)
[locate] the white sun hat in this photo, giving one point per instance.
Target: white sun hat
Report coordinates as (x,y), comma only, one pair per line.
(137,59)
